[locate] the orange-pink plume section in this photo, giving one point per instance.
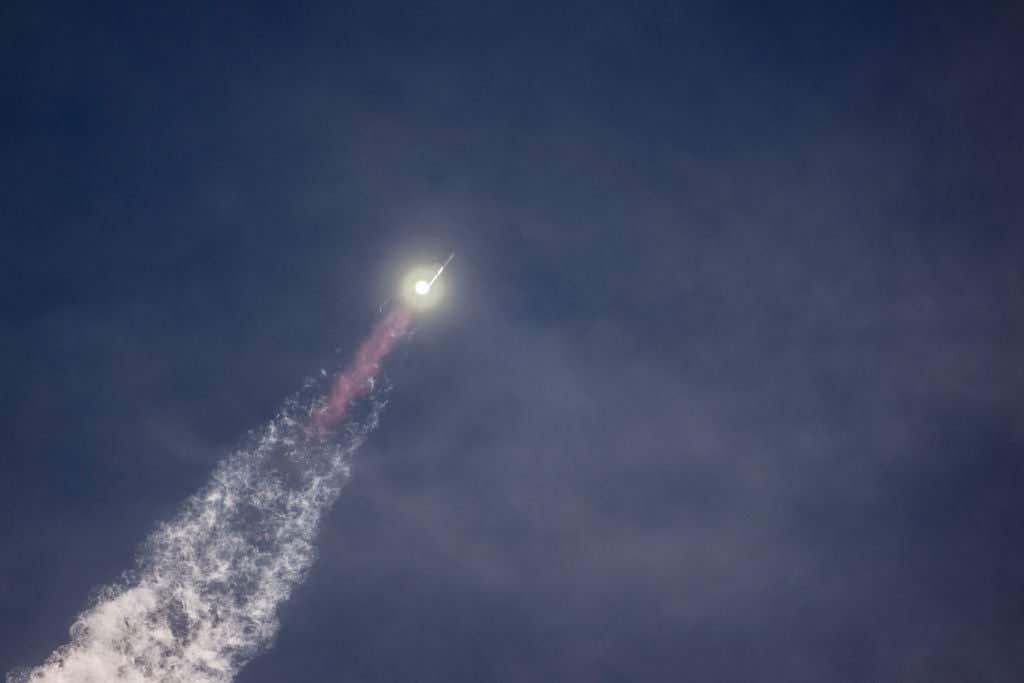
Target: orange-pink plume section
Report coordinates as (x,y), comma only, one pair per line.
(355,381)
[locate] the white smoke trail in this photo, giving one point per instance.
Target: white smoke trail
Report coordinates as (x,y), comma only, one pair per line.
(204,599)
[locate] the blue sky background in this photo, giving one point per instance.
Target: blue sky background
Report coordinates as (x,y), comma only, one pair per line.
(727,386)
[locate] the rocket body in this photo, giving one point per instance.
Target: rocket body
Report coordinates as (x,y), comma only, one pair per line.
(439,271)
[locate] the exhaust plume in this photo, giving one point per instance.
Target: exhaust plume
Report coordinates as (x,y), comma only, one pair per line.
(203,600)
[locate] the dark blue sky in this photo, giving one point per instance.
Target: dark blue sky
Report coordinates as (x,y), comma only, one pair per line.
(727,386)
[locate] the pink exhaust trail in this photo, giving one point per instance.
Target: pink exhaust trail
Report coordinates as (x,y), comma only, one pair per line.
(355,381)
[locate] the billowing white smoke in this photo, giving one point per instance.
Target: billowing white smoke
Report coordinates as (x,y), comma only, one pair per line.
(204,598)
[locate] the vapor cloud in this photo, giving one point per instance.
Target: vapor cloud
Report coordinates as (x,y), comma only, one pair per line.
(204,599)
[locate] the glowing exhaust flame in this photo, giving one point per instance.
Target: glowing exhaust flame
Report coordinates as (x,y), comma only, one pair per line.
(423,287)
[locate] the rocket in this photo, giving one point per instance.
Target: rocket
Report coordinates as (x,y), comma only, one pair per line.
(422,287)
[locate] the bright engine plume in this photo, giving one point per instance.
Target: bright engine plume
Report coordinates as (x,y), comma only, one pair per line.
(422,287)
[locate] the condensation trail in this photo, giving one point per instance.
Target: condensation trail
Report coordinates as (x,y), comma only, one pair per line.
(204,598)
